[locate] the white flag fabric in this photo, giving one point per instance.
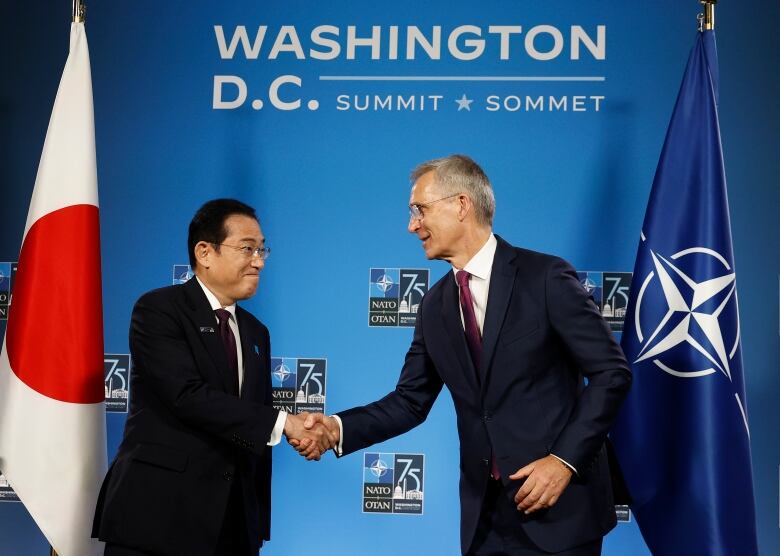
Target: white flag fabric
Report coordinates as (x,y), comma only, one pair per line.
(52,409)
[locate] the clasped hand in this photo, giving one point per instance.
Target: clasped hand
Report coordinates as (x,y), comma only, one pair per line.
(545,480)
(311,434)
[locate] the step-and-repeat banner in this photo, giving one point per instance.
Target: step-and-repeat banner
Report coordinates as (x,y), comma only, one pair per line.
(314,113)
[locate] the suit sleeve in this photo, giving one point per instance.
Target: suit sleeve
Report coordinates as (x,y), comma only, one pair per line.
(164,362)
(579,324)
(402,409)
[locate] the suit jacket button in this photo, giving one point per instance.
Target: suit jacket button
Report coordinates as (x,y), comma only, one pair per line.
(486,416)
(485,462)
(228,476)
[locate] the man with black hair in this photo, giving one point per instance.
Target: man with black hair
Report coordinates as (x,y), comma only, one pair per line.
(193,472)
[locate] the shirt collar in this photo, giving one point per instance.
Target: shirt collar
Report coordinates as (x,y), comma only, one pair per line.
(214,302)
(481,264)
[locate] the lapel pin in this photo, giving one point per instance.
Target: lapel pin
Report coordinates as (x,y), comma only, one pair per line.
(206,329)
(257,349)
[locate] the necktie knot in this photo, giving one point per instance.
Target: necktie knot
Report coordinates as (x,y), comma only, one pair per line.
(462,277)
(223,315)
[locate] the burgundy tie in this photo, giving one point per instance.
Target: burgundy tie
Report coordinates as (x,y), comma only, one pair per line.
(229,341)
(473,337)
(470,326)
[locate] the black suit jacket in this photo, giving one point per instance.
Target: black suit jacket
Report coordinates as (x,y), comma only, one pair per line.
(542,336)
(187,442)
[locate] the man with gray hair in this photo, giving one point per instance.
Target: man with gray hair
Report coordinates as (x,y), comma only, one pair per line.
(513,336)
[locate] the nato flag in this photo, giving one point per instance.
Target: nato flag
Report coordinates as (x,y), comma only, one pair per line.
(682,437)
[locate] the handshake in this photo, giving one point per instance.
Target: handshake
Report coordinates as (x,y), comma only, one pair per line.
(312,434)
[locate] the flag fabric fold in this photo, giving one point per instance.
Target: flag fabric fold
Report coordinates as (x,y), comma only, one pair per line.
(682,436)
(52,410)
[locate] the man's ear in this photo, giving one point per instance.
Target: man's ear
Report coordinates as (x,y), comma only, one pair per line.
(203,252)
(465,206)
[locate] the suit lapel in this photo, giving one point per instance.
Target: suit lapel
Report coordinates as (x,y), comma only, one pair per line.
(450,312)
(206,323)
(502,279)
(254,361)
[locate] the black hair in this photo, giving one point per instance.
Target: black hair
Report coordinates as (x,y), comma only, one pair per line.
(208,224)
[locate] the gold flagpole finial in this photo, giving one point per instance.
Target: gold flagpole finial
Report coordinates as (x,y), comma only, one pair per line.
(707,19)
(78,11)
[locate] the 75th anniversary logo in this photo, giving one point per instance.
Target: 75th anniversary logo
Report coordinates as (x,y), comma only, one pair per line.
(393,483)
(394,295)
(298,384)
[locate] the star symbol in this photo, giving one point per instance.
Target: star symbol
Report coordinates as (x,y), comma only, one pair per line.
(688,309)
(378,468)
(589,285)
(281,373)
(384,283)
(464,103)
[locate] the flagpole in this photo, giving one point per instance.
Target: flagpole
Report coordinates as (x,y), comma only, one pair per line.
(707,19)
(78,11)
(77,16)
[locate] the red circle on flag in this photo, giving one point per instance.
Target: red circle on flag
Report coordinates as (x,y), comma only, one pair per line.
(54,337)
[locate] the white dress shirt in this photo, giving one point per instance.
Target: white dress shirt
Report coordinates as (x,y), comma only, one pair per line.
(276,433)
(480,266)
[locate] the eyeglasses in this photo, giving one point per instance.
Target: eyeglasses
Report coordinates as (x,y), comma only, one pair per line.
(415,210)
(249,252)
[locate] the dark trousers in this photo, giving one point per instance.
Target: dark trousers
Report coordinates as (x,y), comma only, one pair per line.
(233,536)
(498,533)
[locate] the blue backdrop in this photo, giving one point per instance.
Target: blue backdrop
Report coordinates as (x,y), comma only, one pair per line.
(330,182)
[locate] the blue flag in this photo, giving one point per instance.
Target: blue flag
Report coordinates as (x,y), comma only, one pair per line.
(682,437)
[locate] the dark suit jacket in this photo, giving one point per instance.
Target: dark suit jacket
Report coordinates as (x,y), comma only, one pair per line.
(542,336)
(187,442)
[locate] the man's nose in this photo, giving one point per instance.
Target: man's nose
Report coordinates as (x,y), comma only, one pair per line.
(258,263)
(414,225)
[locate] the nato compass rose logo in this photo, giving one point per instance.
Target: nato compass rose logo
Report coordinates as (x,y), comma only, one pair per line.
(693,312)
(378,468)
(589,285)
(281,372)
(384,283)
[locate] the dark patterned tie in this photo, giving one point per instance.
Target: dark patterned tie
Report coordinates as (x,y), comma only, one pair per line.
(470,326)
(229,341)
(473,337)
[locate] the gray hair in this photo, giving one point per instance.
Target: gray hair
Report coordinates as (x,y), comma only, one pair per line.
(458,173)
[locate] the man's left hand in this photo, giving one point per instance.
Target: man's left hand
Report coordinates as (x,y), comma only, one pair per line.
(545,480)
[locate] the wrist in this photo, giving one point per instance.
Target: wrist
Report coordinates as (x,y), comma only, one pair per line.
(290,426)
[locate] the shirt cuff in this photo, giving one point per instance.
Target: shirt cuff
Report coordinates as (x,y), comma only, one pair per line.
(566,463)
(276,433)
(338,447)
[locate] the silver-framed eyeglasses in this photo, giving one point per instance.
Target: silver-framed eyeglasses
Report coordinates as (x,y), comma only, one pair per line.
(248,251)
(415,210)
